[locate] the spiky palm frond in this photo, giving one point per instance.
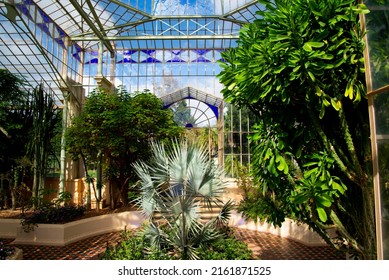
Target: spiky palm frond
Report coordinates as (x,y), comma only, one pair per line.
(154,235)
(222,219)
(173,184)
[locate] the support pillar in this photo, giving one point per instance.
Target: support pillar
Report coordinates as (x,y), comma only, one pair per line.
(102,81)
(220,135)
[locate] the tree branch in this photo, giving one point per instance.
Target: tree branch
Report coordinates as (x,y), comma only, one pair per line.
(331,149)
(5,132)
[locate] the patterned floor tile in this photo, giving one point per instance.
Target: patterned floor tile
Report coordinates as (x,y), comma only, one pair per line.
(265,246)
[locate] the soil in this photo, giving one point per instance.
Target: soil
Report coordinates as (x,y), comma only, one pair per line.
(14,214)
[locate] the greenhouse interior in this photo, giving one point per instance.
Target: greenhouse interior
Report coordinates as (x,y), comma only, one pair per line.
(197,119)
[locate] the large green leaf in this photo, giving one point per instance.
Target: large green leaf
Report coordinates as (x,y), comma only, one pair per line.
(322,214)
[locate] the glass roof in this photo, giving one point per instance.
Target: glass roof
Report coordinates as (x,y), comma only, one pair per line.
(37,35)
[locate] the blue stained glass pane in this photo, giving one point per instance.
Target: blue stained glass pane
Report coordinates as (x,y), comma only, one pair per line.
(149,52)
(78,48)
(214,109)
(176,59)
(94,60)
(28,2)
(45,17)
(24,10)
(176,52)
(129,52)
(61,32)
(76,56)
(44,27)
(201,59)
(201,52)
(151,60)
(60,41)
(127,60)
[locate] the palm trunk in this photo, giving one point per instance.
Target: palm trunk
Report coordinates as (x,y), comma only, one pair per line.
(99,180)
(16,179)
(1,193)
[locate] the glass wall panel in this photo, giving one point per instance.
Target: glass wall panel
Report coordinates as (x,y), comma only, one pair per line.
(377,25)
(381,108)
(383,153)
(237,125)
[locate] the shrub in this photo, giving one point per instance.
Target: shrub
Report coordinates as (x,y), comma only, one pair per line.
(6,250)
(52,215)
(134,247)
(226,249)
(176,186)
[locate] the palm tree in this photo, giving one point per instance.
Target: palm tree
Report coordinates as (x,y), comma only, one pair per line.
(176,186)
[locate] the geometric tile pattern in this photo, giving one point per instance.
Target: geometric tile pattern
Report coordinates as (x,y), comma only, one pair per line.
(87,249)
(265,246)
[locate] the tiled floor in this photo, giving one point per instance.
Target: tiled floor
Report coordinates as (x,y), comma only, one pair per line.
(265,246)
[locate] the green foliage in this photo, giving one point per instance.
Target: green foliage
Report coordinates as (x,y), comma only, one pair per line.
(29,122)
(133,247)
(298,42)
(15,127)
(46,119)
(175,185)
(299,69)
(318,188)
(64,198)
(51,215)
(119,127)
(226,249)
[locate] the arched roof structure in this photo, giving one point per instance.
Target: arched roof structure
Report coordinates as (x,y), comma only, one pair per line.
(169,47)
(133,43)
(211,101)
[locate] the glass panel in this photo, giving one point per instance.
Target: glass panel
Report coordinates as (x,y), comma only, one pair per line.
(377,24)
(383,154)
(230,165)
(381,108)
(245,143)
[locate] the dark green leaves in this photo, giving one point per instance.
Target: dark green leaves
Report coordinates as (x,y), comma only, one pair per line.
(308,46)
(318,188)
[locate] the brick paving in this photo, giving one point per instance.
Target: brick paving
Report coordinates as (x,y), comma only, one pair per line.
(87,249)
(265,246)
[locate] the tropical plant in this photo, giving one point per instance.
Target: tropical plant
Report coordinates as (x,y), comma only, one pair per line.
(113,131)
(174,186)
(228,248)
(46,118)
(133,246)
(299,68)
(15,126)
(51,214)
